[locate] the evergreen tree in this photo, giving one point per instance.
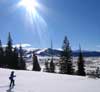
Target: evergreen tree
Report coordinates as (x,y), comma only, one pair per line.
(98,72)
(1,55)
(9,44)
(11,55)
(80,63)
(36,66)
(15,58)
(22,64)
(52,66)
(46,66)
(9,52)
(66,58)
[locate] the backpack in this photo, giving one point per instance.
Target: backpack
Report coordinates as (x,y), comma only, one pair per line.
(10,78)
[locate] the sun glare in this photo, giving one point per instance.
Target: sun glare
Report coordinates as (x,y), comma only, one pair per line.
(34,18)
(30,5)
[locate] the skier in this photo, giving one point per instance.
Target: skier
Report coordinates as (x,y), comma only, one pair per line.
(11,78)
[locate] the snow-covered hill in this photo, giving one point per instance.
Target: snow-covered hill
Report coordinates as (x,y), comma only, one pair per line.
(29,81)
(57,52)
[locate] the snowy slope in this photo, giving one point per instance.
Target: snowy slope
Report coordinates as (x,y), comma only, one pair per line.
(29,81)
(57,52)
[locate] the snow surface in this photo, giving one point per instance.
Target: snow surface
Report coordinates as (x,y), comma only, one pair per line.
(30,81)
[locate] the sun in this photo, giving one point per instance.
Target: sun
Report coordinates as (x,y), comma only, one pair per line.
(29,5)
(31,13)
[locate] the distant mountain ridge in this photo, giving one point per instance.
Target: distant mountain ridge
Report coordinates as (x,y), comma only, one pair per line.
(56,52)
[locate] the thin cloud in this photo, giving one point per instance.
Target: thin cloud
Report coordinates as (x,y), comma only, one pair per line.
(24,45)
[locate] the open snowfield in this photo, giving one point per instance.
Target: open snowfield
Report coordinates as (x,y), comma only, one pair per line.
(29,81)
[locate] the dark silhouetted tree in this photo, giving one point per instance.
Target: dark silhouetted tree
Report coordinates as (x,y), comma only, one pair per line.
(9,44)
(97,72)
(66,58)
(22,64)
(36,66)
(80,63)
(52,66)
(9,53)
(1,55)
(46,66)
(15,58)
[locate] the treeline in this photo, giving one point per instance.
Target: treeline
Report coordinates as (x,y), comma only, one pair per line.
(13,58)
(66,61)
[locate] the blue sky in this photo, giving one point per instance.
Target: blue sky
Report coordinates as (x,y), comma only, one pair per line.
(78,19)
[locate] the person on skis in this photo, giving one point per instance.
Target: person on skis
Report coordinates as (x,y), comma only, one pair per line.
(11,78)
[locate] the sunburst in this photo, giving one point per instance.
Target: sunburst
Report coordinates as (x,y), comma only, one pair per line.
(29,5)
